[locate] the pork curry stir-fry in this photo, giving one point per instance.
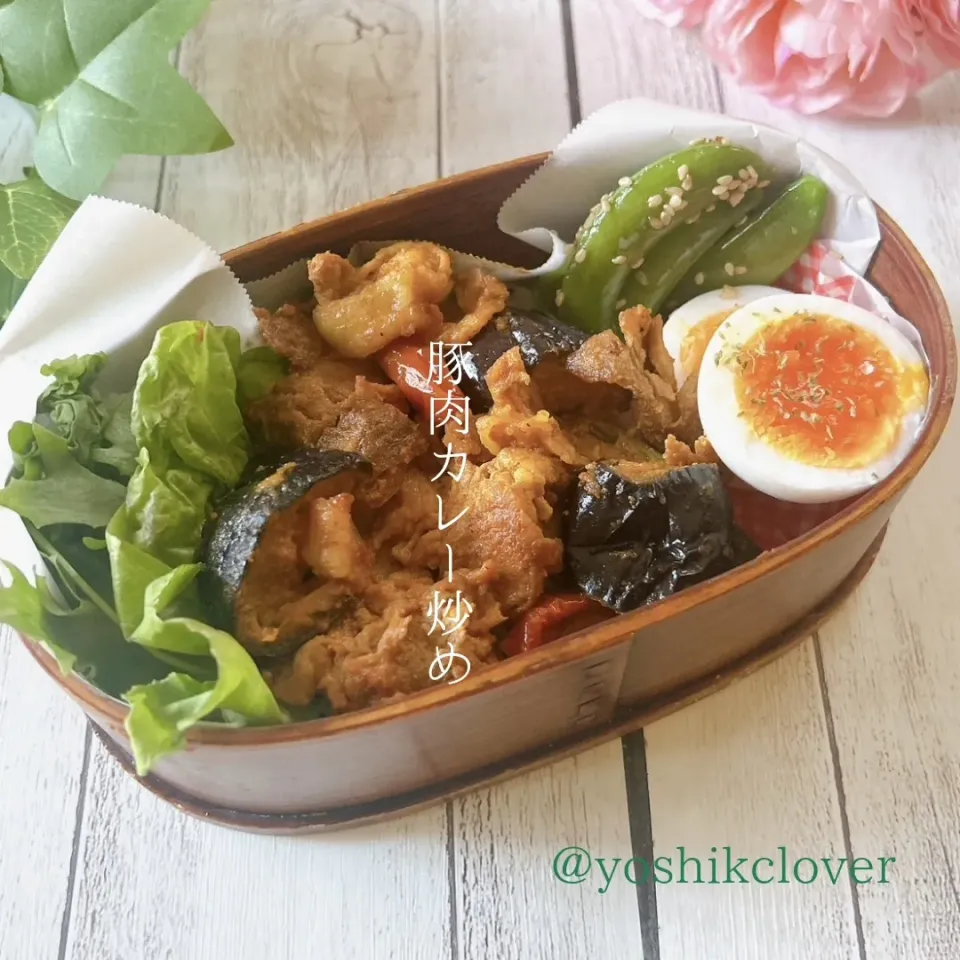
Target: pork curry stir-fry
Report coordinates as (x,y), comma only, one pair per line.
(577,487)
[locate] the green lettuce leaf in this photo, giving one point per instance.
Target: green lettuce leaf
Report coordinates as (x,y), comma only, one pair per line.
(193,444)
(101,76)
(185,402)
(124,558)
(161,712)
(260,370)
(164,513)
(81,638)
(68,493)
(96,427)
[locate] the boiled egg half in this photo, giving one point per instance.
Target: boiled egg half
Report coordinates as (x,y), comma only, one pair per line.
(688,330)
(810,399)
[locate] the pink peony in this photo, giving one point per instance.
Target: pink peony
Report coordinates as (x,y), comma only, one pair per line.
(844,57)
(675,13)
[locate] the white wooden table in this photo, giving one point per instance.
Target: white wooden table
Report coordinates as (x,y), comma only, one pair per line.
(849,746)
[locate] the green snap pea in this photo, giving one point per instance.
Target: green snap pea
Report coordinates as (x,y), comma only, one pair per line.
(669,261)
(765,248)
(641,212)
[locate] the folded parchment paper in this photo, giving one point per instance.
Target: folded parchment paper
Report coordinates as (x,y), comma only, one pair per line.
(115,275)
(118,272)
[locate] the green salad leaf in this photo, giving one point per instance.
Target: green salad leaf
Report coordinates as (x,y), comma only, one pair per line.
(162,711)
(185,403)
(259,371)
(193,443)
(116,491)
(100,75)
(32,216)
(67,492)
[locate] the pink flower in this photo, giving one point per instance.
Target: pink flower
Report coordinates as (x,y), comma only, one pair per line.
(675,13)
(845,57)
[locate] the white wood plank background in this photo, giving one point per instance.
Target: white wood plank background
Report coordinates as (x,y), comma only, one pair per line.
(848,746)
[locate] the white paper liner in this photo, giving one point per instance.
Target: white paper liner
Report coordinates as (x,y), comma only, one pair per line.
(116,274)
(118,271)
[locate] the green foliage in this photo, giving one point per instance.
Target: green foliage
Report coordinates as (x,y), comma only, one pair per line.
(99,77)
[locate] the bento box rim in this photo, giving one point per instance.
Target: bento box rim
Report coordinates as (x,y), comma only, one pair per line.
(591,640)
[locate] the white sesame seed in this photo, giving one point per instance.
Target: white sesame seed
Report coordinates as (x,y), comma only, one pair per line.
(558,299)
(729,293)
(724,180)
(711,208)
(741,271)
(683,172)
(693,220)
(621,304)
(729,269)
(687,183)
(744,175)
(637,264)
(698,279)
(655,201)
(674,191)
(666,215)
(735,199)
(721,192)
(580,256)
(682,205)
(794,231)
(753,173)
(642,278)
(734,185)
(605,205)
(619,260)
(676,202)
(655,223)
(763,183)
(624,182)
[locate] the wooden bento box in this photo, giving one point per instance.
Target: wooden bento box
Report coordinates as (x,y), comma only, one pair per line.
(599,683)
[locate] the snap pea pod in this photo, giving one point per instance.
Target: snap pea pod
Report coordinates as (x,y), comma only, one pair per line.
(765,248)
(639,213)
(669,261)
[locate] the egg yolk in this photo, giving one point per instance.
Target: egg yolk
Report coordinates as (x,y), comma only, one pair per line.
(695,342)
(825,392)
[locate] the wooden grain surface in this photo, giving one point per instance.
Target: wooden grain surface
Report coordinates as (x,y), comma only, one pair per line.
(849,746)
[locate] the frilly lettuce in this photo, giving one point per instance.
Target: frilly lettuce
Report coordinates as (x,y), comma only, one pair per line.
(136,474)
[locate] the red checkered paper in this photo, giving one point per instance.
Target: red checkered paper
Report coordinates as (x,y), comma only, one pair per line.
(770,522)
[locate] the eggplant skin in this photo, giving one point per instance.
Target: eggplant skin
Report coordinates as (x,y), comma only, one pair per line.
(241,519)
(633,542)
(539,337)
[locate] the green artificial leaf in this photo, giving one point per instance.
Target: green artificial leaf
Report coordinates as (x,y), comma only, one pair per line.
(260,369)
(101,77)
(32,216)
(68,493)
(162,712)
(10,289)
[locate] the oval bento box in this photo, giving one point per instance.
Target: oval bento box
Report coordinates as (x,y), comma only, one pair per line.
(599,683)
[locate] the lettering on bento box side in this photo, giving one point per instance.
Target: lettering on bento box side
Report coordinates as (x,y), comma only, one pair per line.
(449,611)
(599,683)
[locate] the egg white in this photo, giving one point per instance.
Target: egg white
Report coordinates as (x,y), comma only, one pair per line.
(759,464)
(694,312)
